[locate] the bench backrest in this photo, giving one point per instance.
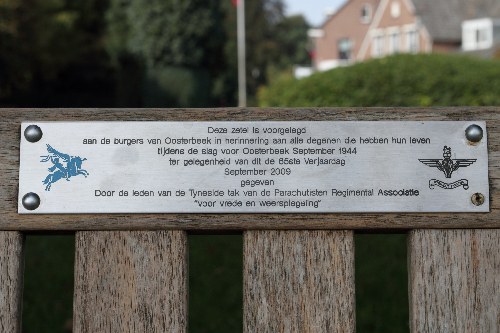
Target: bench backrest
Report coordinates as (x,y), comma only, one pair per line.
(131,270)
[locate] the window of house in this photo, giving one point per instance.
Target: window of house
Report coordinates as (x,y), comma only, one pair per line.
(481,36)
(395,9)
(366,13)
(378,45)
(394,42)
(345,48)
(412,41)
(477,34)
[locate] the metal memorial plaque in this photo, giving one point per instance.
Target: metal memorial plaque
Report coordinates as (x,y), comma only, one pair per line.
(253,167)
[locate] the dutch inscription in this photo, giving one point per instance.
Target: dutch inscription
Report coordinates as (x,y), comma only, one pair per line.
(253,167)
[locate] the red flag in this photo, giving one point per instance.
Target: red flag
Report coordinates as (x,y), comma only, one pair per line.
(235,2)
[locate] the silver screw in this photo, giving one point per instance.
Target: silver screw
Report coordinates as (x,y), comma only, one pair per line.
(33,133)
(477,199)
(31,201)
(474,133)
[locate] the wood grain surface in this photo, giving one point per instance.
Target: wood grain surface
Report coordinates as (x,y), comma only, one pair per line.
(10,120)
(130,282)
(298,281)
(11,281)
(454,281)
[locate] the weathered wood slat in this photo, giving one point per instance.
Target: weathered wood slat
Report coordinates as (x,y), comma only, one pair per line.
(299,281)
(130,282)
(454,281)
(10,120)
(11,281)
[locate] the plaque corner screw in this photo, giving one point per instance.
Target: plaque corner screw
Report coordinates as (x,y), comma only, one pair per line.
(474,133)
(33,133)
(31,201)
(477,199)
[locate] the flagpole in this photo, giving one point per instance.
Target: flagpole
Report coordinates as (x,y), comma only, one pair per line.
(242,81)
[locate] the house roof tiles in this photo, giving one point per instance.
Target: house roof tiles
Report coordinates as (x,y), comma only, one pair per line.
(443,18)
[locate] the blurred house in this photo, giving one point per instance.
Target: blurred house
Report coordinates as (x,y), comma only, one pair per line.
(364,29)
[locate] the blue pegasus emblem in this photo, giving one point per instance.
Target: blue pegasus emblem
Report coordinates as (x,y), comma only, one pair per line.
(63,166)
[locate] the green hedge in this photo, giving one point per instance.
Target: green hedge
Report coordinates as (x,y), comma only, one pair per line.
(402,80)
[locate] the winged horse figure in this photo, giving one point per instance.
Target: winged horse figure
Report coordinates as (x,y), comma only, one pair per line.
(63,166)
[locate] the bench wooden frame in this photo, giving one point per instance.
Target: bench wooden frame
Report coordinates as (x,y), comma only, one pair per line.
(131,270)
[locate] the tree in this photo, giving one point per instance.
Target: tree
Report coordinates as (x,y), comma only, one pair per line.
(274,42)
(13,76)
(291,33)
(50,50)
(187,49)
(138,52)
(179,44)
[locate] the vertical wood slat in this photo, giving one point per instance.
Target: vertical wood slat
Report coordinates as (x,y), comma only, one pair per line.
(299,281)
(454,278)
(131,281)
(11,281)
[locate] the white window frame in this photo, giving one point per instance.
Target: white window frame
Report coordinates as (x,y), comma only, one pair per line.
(378,43)
(368,8)
(408,31)
(345,41)
(395,9)
(472,29)
(393,34)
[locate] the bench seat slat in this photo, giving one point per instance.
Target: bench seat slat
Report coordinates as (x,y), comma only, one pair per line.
(299,281)
(130,281)
(454,281)
(11,281)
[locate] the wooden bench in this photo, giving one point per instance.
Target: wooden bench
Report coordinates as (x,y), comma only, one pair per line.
(131,271)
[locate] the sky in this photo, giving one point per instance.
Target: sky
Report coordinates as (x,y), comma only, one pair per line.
(313,10)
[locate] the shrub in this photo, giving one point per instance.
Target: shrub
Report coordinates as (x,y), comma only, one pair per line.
(402,80)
